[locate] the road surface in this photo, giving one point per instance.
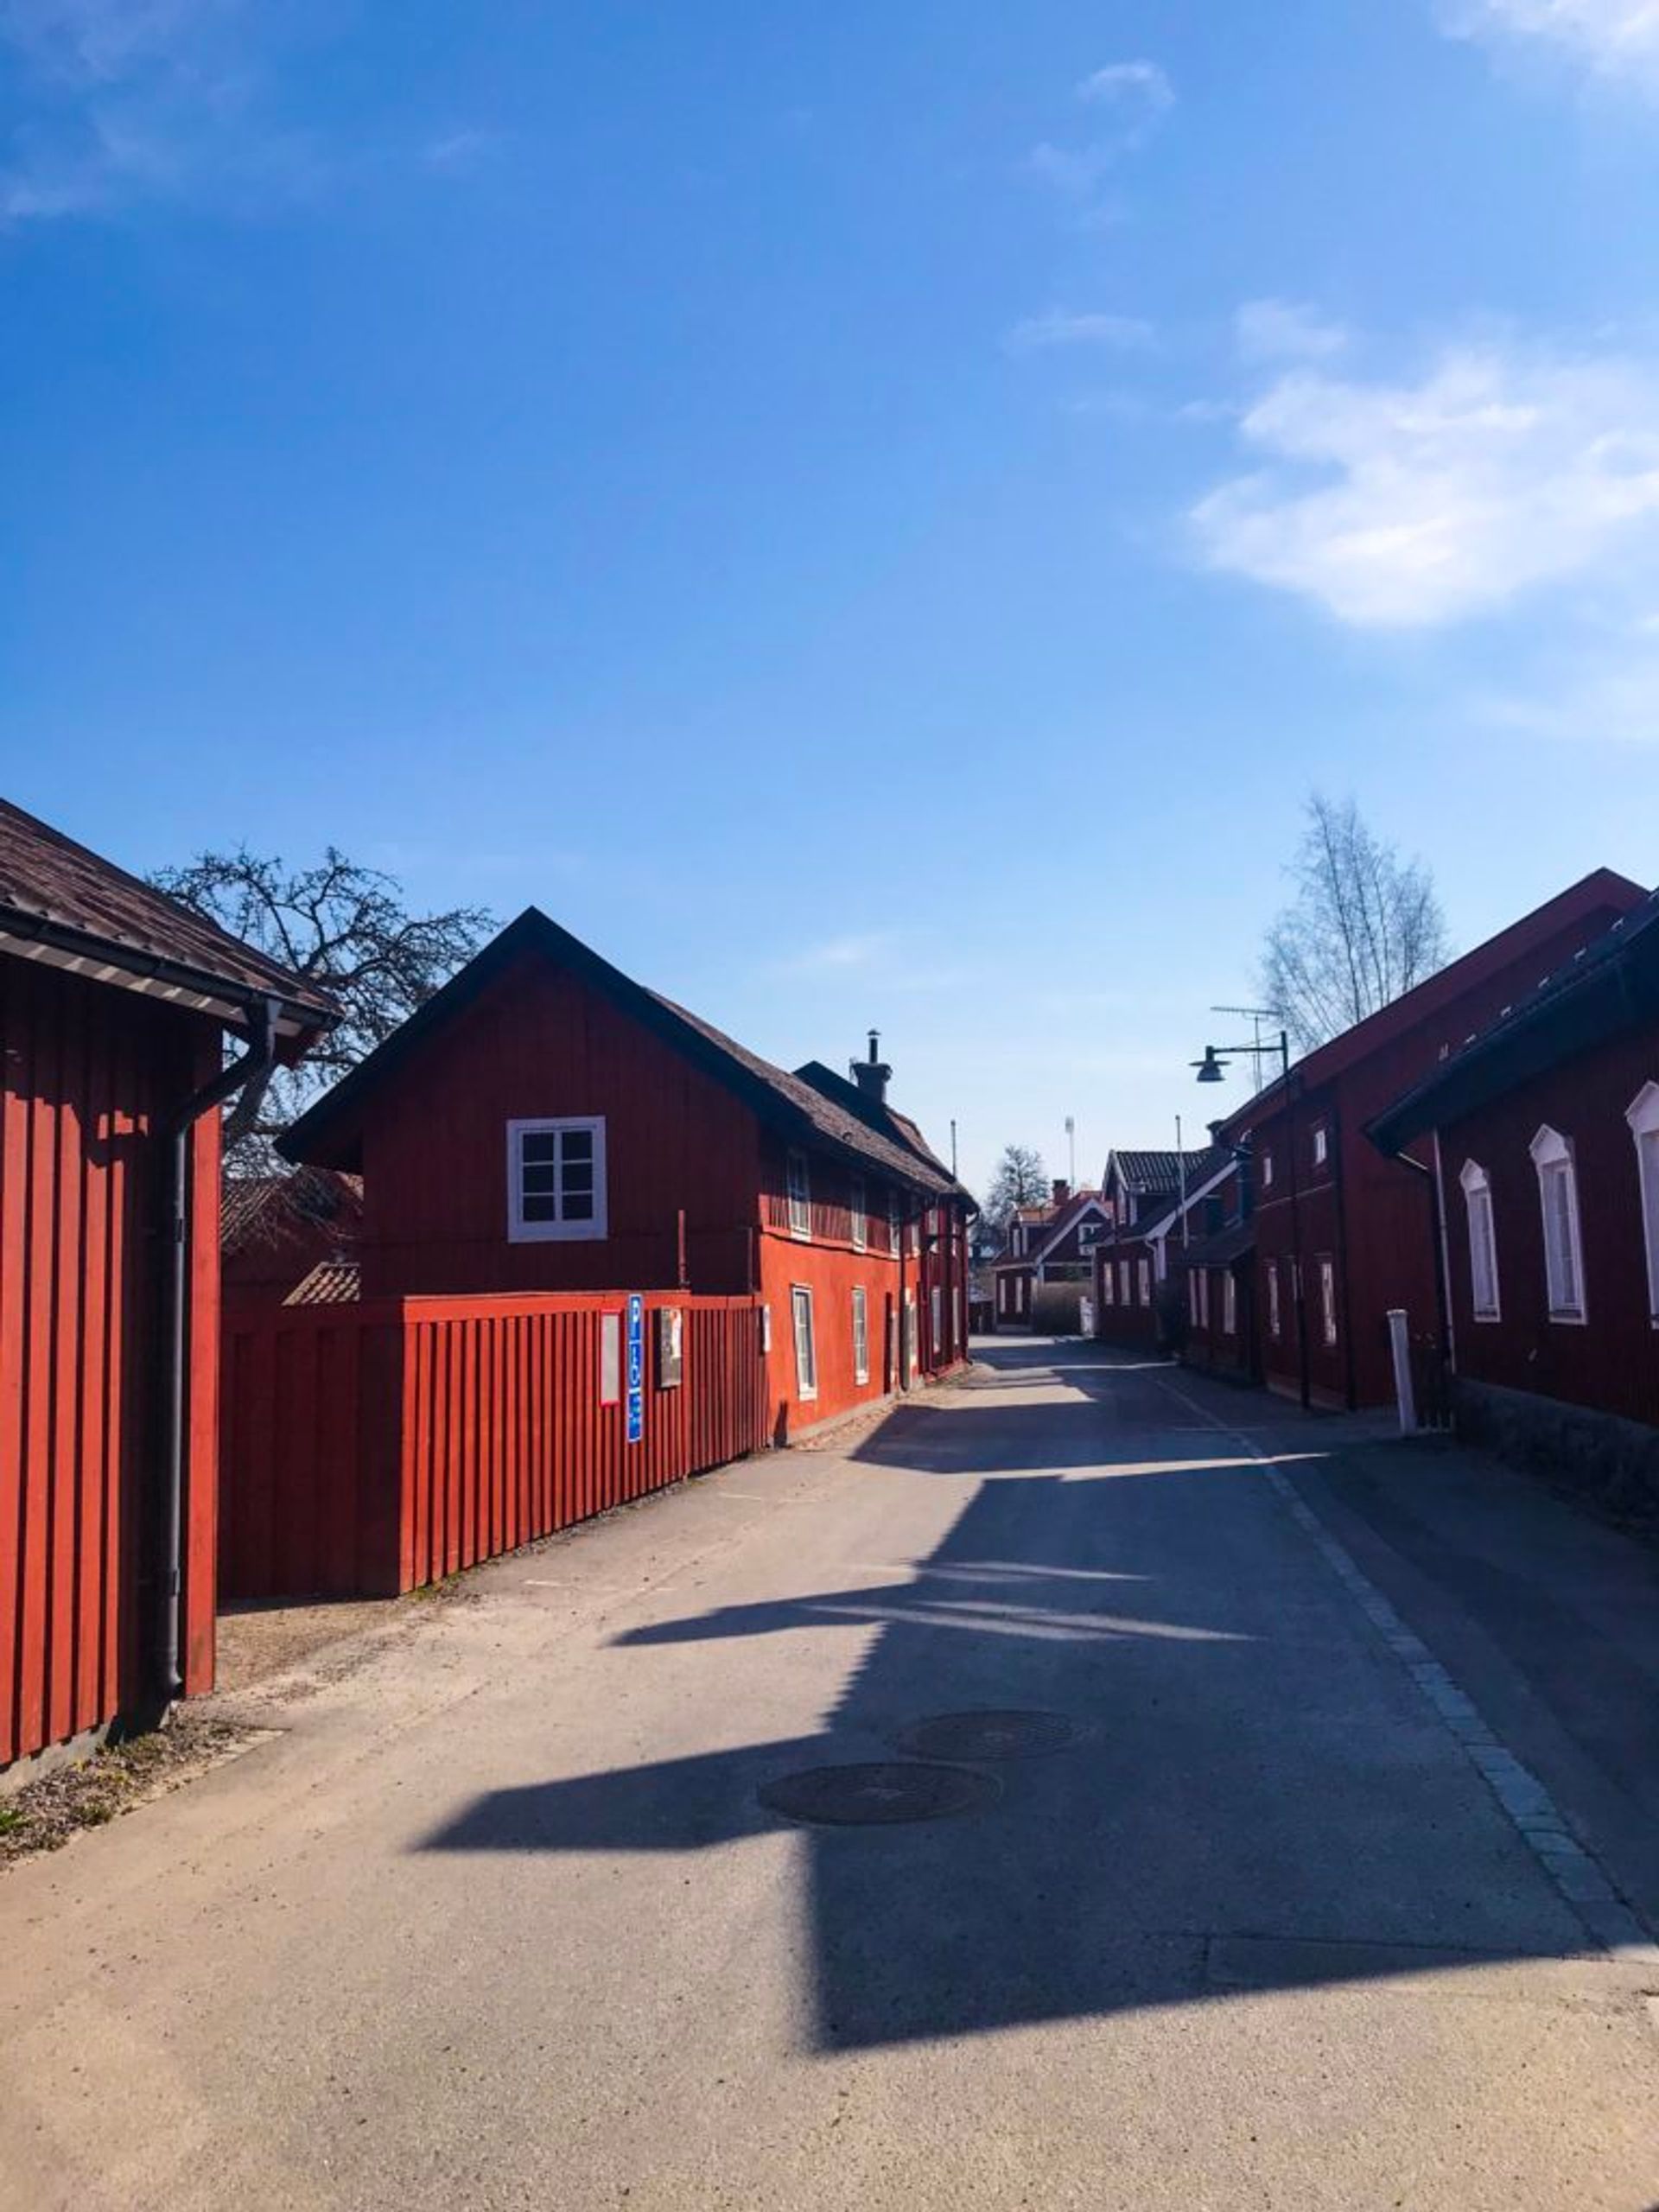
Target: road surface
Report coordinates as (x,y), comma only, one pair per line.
(497,1914)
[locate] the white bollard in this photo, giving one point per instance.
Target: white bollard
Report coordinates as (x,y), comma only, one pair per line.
(1405,1397)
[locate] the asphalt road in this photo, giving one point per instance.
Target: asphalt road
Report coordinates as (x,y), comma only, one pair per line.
(500,1914)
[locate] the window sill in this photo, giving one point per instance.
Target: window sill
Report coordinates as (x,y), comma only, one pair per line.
(556,1232)
(1569,1320)
(1486,1320)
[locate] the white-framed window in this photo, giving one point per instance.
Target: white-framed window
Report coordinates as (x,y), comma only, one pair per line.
(860,1334)
(1274,1319)
(1267,1171)
(1558,1197)
(1143,1284)
(1124,1282)
(800,1192)
(1108,1280)
(895,1218)
(1483,1243)
(859,1217)
(806,1346)
(936,1314)
(556,1178)
(1643,1114)
(1328,1300)
(1321,1145)
(910,1347)
(1229,1304)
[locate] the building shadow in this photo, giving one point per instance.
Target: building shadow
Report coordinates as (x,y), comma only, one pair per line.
(1253,1795)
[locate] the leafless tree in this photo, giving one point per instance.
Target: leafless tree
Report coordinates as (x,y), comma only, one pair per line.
(1365,924)
(1021,1180)
(343,927)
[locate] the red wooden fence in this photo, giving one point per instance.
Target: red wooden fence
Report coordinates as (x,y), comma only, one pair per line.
(370,1449)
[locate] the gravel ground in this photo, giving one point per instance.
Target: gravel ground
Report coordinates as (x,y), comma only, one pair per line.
(45,1814)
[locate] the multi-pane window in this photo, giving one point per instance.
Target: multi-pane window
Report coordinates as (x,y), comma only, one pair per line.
(1274,1320)
(1558,1197)
(556,1178)
(1229,1304)
(800,1194)
(806,1349)
(1643,1114)
(861,1335)
(860,1230)
(1483,1243)
(1328,1300)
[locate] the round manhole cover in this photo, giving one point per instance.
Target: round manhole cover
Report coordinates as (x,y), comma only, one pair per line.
(987,1736)
(862,1796)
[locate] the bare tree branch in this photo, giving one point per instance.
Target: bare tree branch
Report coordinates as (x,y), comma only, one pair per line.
(339,925)
(1364,926)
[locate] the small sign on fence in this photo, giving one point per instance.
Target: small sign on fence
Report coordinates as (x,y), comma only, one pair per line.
(636,1367)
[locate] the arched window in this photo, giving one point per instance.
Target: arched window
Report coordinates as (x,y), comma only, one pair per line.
(1643,1114)
(1483,1243)
(1558,1197)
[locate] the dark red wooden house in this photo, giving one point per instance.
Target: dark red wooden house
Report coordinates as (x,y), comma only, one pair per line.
(115,1004)
(1342,1234)
(546,1124)
(1140,1289)
(1544,1135)
(277,1232)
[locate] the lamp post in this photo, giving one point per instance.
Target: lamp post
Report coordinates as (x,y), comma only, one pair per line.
(1212,1068)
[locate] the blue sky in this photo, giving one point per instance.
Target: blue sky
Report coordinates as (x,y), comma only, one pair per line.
(866,512)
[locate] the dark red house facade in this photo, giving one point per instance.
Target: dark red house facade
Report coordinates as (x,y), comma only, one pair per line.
(1162,1203)
(1048,1248)
(546,1124)
(115,1004)
(1544,1133)
(1342,1232)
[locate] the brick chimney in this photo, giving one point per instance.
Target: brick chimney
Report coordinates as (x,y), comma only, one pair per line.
(873,1075)
(1062,1190)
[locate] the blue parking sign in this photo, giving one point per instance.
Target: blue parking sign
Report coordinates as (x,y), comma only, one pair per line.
(636,1367)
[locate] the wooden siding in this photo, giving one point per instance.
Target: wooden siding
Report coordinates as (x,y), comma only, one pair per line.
(374,1449)
(90,1075)
(1611,1360)
(539,1043)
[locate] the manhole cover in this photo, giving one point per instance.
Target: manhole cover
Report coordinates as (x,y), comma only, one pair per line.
(987,1736)
(859,1797)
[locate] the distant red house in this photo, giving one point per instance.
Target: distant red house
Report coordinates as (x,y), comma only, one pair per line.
(1544,1135)
(1342,1234)
(114,1007)
(1165,1205)
(1047,1245)
(275,1231)
(544,1123)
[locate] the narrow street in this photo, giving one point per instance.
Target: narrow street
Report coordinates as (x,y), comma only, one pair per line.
(496,1915)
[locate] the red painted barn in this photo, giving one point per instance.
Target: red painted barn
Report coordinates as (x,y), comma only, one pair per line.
(544,1123)
(1342,1234)
(1545,1136)
(114,1007)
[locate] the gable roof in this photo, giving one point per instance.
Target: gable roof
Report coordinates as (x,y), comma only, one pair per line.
(257,1209)
(61,903)
(876,1114)
(1150,1174)
(1608,987)
(1065,1218)
(326,1134)
(1602,892)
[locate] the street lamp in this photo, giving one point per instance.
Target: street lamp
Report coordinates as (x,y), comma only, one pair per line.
(1212,1068)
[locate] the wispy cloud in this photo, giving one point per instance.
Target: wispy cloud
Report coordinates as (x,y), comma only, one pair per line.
(839,955)
(1616,39)
(1399,504)
(1128,100)
(1285,330)
(1060,327)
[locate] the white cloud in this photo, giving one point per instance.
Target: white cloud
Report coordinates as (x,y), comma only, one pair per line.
(839,955)
(1140,90)
(1133,98)
(1617,39)
(1285,330)
(1119,334)
(1410,505)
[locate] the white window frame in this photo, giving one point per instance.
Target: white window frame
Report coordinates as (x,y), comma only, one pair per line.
(1143,1282)
(558,1231)
(1275,1318)
(1553,1159)
(859,1221)
(1123,1296)
(936,1318)
(895,1224)
(798,1180)
(1328,1302)
(1321,1144)
(860,1334)
(1267,1171)
(1107,1283)
(1643,1116)
(806,1369)
(1484,1302)
(1229,1304)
